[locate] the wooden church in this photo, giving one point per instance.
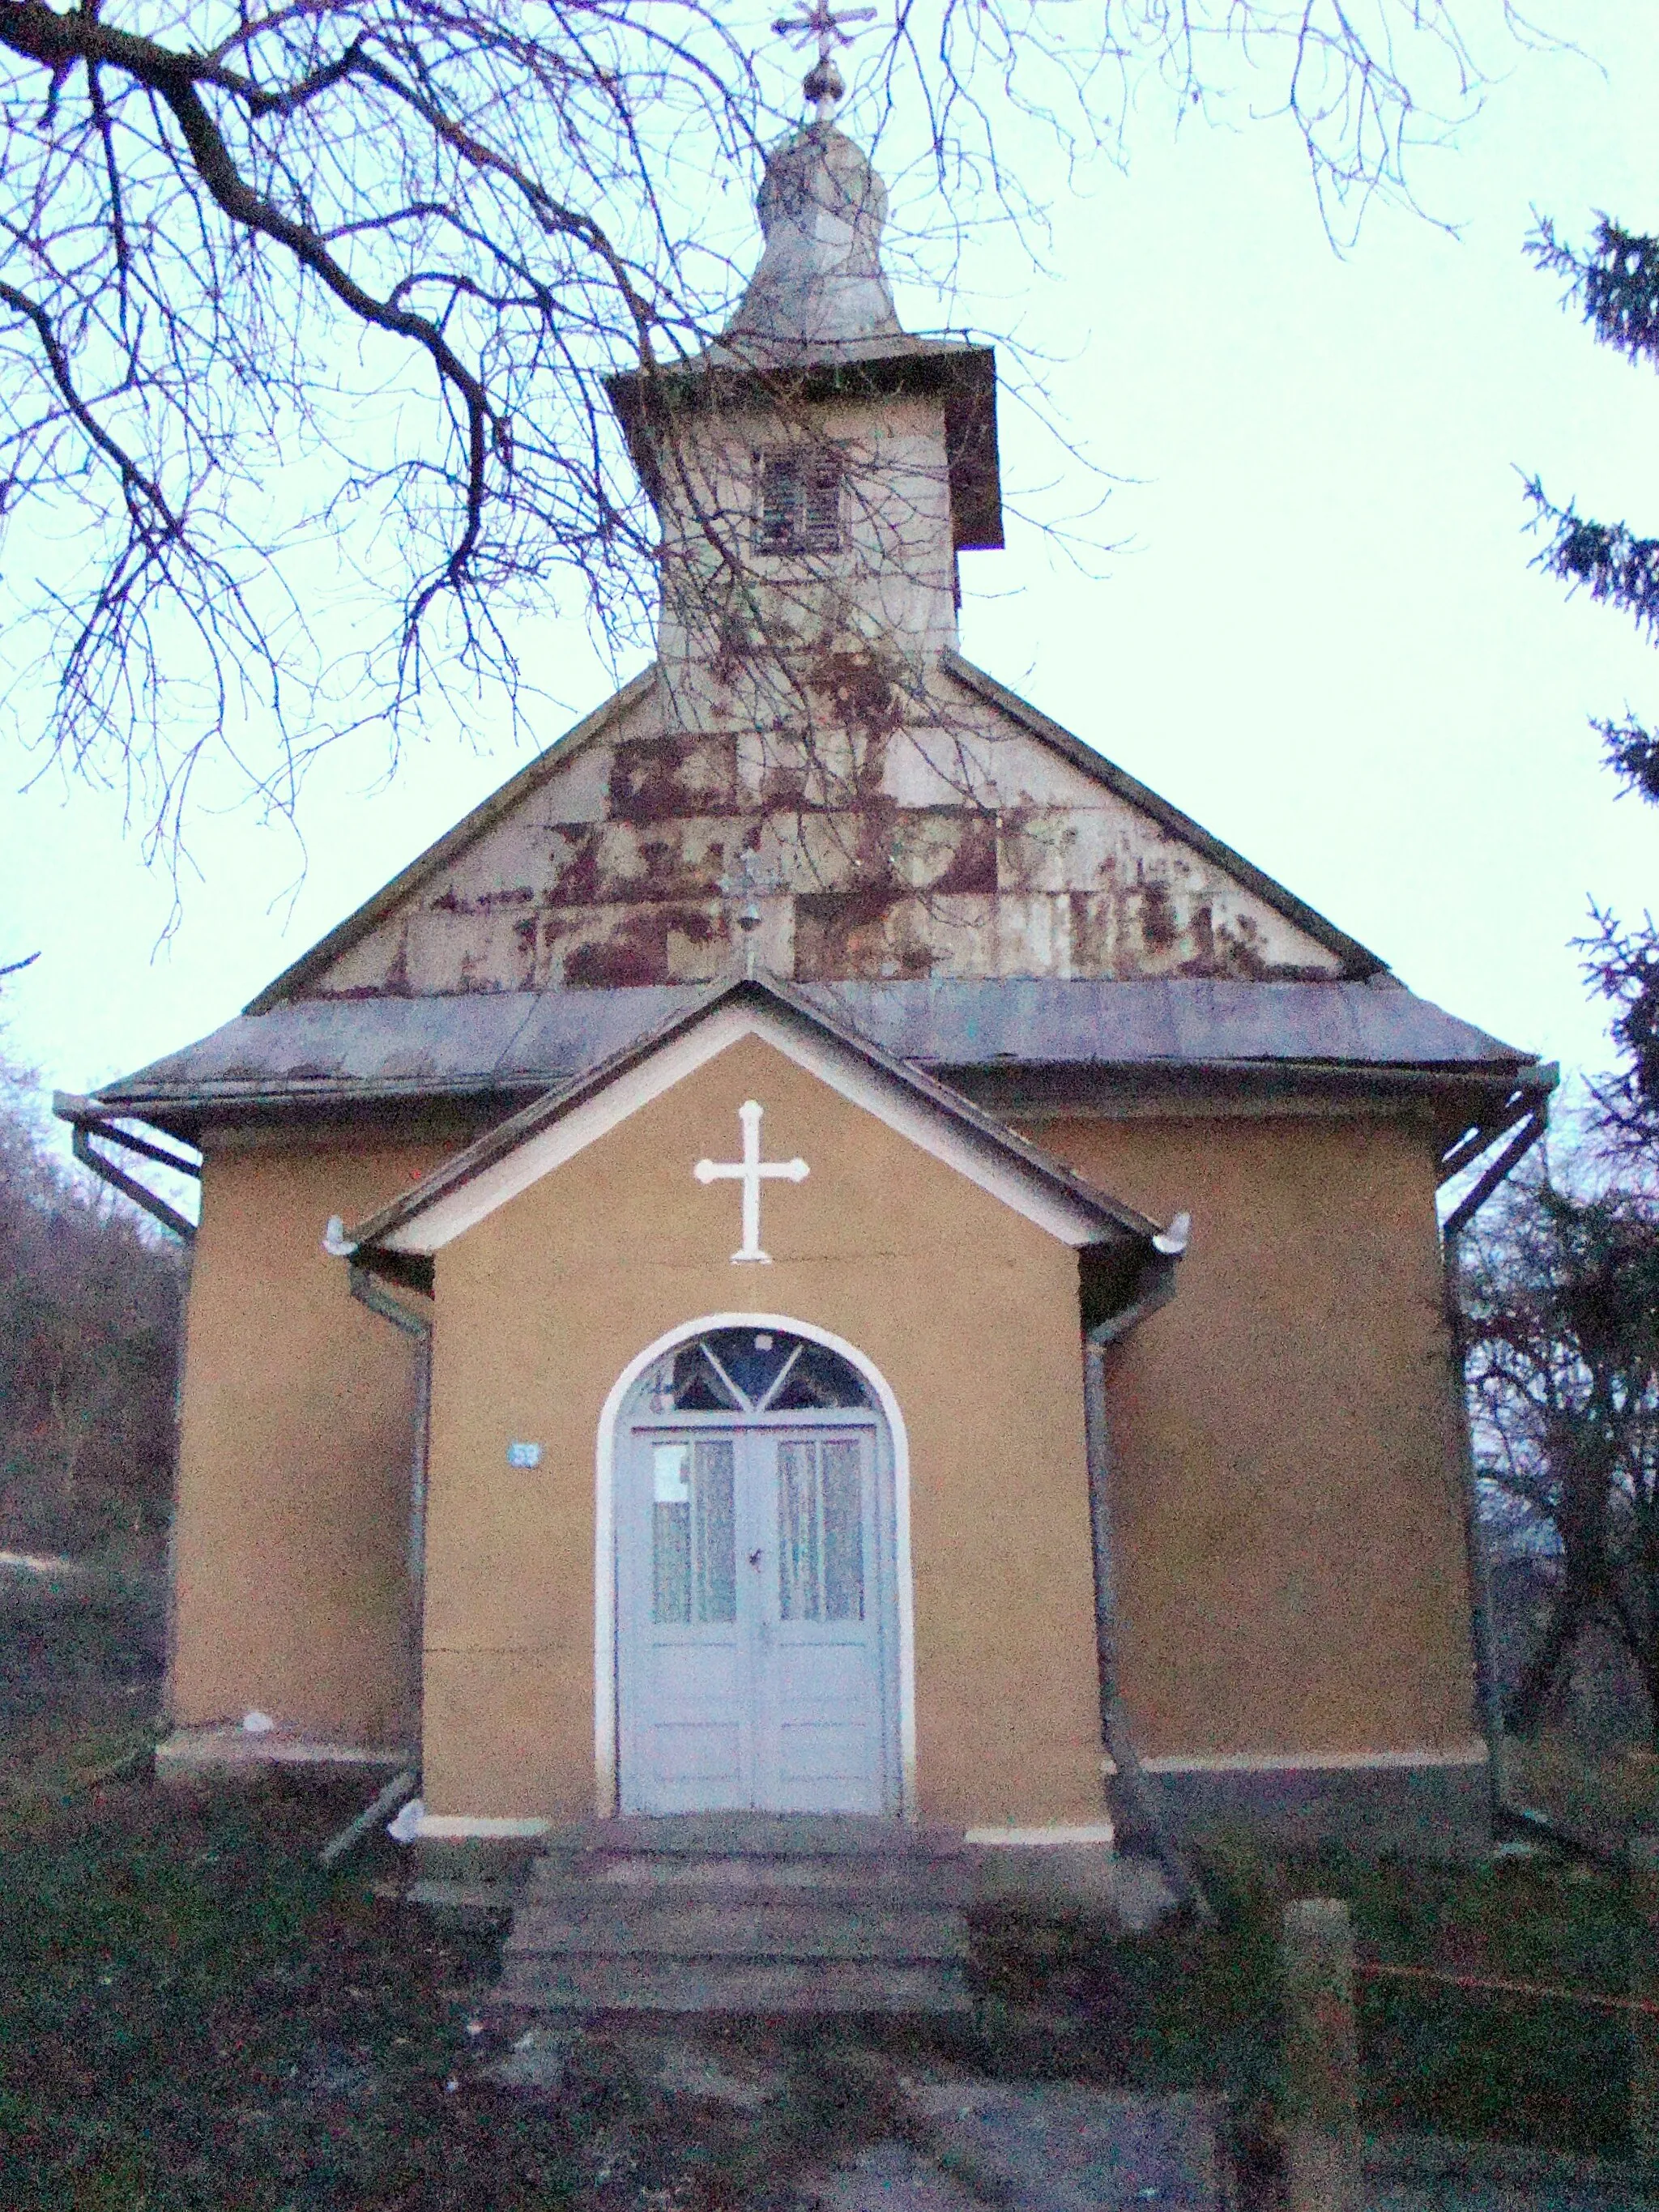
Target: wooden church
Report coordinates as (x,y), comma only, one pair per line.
(826,1251)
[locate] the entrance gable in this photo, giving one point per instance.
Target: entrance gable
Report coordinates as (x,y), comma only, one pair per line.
(532,1144)
(551,1309)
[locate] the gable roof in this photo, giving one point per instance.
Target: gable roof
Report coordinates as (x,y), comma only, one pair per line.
(453,842)
(1357,959)
(1358,962)
(509,1158)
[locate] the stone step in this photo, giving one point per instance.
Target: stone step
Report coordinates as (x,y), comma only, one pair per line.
(779,1835)
(496,1897)
(861,1882)
(743,1912)
(790,1931)
(729,1985)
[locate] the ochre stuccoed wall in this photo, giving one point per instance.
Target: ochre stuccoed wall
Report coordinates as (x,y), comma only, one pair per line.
(295,1450)
(969,1312)
(1292,1573)
(1289,1528)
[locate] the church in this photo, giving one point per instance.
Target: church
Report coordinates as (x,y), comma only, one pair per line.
(827,1251)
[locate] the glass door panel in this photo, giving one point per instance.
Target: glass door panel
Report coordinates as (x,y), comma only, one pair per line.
(693,1543)
(821,1529)
(685,1666)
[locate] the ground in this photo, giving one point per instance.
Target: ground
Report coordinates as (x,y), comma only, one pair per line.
(81,1648)
(195,2016)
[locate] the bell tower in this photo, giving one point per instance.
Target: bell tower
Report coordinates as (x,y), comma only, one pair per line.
(816,472)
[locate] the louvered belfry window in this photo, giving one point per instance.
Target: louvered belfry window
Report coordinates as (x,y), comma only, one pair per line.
(799,500)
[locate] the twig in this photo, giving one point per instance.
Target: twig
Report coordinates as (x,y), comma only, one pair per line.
(1373,1969)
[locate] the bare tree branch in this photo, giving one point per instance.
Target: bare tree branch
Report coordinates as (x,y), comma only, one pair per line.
(311,309)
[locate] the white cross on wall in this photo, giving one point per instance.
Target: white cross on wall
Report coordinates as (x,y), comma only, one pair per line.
(751,1170)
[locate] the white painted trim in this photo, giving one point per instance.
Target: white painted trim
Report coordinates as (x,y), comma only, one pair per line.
(605,1543)
(1312,1762)
(233,1747)
(470,1202)
(1090,1833)
(927,1126)
(455,1827)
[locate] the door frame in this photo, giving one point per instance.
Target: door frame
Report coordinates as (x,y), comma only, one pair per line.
(606,1774)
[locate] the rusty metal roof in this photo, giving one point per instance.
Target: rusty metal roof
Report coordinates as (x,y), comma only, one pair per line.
(361,1050)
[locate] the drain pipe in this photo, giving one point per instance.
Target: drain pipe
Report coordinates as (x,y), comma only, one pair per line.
(87,1119)
(1482,1633)
(1159,1286)
(369,1293)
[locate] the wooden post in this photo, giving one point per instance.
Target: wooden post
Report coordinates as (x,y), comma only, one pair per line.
(1645,1985)
(1322,2057)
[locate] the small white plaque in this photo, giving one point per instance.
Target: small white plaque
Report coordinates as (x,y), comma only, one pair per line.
(671,1474)
(524,1455)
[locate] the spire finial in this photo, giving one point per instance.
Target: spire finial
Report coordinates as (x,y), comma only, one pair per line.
(824,84)
(749,883)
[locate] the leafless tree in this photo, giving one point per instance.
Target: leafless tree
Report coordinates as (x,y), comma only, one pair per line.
(1560,1302)
(306,309)
(90,1309)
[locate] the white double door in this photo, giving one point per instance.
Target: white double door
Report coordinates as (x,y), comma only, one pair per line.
(753,1651)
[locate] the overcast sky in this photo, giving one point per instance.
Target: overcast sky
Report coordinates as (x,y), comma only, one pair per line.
(1320,637)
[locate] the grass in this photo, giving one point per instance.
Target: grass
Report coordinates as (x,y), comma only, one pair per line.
(195,2017)
(80,1652)
(193,2014)
(1182,2008)
(1603,1797)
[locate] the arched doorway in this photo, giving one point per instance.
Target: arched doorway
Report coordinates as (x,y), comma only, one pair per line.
(757,1577)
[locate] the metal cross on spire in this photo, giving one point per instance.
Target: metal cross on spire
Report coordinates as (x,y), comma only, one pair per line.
(824,84)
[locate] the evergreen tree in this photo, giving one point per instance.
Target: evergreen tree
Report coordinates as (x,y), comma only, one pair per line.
(1615,285)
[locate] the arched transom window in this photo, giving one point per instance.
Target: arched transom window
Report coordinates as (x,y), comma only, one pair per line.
(753,1370)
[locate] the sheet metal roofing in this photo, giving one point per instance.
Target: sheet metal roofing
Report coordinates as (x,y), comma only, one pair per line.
(516,1040)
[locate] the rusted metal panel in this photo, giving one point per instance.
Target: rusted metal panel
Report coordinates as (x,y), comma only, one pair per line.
(868,874)
(636,942)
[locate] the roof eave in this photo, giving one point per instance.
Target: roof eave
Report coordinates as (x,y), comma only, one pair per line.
(199,1102)
(962,371)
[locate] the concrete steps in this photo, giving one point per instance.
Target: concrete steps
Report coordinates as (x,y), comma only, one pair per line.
(742,1930)
(742,1913)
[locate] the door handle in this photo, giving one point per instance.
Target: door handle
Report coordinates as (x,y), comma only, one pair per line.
(754,1559)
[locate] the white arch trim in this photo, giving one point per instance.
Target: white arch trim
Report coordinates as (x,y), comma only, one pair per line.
(604,1542)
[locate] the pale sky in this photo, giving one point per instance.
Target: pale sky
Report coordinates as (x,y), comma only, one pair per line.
(1320,637)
